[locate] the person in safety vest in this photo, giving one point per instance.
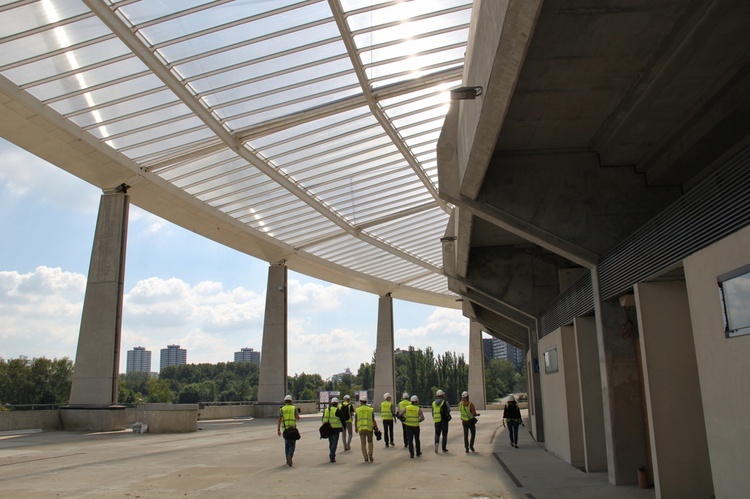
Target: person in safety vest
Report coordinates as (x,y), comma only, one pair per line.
(364,424)
(386,414)
(440,416)
(347,412)
(413,415)
(468,420)
(512,416)
(288,417)
(401,406)
(332,415)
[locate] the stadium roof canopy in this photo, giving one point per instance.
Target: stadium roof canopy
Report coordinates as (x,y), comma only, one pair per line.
(295,131)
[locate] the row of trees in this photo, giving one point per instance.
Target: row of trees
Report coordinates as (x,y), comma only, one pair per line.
(421,373)
(35,381)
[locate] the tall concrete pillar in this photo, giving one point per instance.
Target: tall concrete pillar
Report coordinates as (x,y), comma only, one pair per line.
(384,362)
(272,382)
(679,445)
(477,390)
(97,365)
(589,379)
(624,427)
(534,386)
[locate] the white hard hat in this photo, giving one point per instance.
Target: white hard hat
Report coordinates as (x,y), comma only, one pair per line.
(347,397)
(511,398)
(465,395)
(386,395)
(405,396)
(288,397)
(334,400)
(414,398)
(440,393)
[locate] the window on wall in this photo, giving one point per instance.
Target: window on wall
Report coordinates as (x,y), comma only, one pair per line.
(734,292)
(550,361)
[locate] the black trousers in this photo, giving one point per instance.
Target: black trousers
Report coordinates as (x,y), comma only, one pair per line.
(412,435)
(388,431)
(469,428)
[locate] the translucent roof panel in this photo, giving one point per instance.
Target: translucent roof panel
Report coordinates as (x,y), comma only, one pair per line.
(312,125)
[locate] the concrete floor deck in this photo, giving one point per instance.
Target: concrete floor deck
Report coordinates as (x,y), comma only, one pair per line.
(245,458)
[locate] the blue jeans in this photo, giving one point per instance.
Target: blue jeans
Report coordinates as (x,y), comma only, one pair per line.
(333,442)
(513,431)
(289,446)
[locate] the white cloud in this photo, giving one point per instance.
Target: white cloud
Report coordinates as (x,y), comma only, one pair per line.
(28,175)
(446,330)
(328,352)
(41,312)
(315,297)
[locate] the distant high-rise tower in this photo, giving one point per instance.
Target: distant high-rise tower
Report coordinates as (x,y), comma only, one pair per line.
(247,355)
(139,360)
(173,355)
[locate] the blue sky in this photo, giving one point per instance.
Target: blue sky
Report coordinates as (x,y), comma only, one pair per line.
(179,287)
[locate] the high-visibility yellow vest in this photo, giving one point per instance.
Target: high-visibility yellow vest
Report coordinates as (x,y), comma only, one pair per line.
(436,416)
(329,416)
(404,403)
(465,411)
(412,415)
(364,418)
(346,406)
(385,411)
(288,413)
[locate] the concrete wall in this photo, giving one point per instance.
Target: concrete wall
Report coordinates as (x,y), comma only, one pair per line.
(590,387)
(560,396)
(26,420)
(722,365)
(681,467)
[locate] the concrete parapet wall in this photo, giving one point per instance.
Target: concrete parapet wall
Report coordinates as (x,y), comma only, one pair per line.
(168,418)
(225,412)
(28,420)
(93,418)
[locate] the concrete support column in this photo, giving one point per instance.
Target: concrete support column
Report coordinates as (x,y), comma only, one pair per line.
(384,362)
(534,382)
(97,365)
(477,390)
(272,382)
(624,427)
(679,446)
(589,378)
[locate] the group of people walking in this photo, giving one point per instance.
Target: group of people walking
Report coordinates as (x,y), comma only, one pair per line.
(343,418)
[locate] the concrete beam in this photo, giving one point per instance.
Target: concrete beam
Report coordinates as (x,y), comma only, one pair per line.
(502,32)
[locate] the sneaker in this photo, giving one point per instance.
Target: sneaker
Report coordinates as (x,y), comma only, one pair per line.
(436,448)
(467,450)
(419,454)
(516,446)
(472,449)
(445,450)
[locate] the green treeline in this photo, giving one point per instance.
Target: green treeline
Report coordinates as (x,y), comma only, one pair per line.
(35,381)
(418,372)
